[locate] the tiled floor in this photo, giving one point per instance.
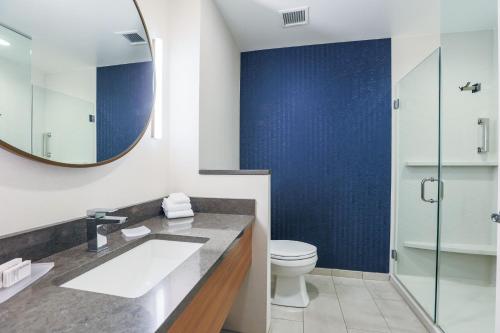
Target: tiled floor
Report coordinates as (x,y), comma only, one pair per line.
(347,305)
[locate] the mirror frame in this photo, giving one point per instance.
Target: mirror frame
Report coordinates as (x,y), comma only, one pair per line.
(32,157)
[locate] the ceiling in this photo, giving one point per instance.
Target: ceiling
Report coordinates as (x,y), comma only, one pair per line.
(73,34)
(256,24)
(69,34)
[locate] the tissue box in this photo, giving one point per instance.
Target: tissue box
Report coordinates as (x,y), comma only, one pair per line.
(6,266)
(16,273)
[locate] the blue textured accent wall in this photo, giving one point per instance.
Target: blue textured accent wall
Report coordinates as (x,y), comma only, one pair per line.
(123,105)
(320,118)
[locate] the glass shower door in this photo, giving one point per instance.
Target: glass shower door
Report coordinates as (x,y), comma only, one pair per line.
(418,141)
(62,129)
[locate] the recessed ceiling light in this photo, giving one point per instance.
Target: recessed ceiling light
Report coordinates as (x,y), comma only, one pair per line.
(3,42)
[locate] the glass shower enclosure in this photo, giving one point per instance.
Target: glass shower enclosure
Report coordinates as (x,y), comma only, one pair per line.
(418,182)
(34,116)
(447,167)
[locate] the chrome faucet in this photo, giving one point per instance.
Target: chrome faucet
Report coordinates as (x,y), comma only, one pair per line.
(97,240)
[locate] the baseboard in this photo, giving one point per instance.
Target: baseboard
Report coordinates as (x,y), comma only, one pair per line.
(415,306)
(351,274)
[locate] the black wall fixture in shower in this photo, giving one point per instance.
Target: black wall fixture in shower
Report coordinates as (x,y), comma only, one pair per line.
(476,87)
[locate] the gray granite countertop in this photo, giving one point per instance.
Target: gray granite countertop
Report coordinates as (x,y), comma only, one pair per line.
(46,307)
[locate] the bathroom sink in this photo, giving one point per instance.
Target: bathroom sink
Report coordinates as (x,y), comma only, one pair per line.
(135,272)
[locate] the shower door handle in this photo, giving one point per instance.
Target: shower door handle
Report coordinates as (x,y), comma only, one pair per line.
(485,135)
(45,145)
(422,189)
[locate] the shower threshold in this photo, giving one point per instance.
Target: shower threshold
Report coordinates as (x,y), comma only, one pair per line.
(454,315)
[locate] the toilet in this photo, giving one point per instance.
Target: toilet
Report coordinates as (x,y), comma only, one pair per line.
(290,261)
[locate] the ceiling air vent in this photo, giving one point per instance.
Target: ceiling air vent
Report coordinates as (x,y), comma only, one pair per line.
(133,37)
(294,17)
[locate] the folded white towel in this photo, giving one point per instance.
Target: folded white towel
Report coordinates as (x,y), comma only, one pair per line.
(176,215)
(170,207)
(173,206)
(182,224)
(179,198)
(179,221)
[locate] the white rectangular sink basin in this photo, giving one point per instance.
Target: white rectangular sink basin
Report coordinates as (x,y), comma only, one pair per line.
(135,272)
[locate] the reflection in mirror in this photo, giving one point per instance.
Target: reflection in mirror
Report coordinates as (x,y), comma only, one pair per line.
(76,78)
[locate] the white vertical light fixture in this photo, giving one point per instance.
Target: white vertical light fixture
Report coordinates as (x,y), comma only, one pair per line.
(157,128)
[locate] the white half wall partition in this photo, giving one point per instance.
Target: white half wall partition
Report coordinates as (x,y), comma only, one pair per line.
(188,86)
(219,93)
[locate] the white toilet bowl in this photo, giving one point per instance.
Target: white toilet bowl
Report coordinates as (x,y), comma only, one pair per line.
(290,260)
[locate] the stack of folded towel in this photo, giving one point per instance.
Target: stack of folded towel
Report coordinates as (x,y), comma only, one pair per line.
(177,205)
(179,225)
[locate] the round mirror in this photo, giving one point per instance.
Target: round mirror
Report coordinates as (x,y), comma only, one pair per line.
(76,79)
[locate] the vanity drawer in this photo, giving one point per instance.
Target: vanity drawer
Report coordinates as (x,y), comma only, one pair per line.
(209,308)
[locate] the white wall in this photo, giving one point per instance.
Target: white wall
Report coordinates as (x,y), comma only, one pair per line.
(78,83)
(252,311)
(35,195)
(409,51)
(220,98)
(470,191)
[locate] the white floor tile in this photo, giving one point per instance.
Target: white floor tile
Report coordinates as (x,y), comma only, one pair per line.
(399,316)
(287,313)
(286,326)
(319,284)
(324,315)
(348,282)
(359,309)
(375,276)
(355,330)
(347,274)
(383,290)
(322,271)
(347,305)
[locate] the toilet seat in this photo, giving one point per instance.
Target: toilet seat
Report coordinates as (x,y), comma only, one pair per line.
(295,263)
(292,250)
(290,258)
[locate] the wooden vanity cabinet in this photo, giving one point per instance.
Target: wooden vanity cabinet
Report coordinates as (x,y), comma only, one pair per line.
(208,310)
